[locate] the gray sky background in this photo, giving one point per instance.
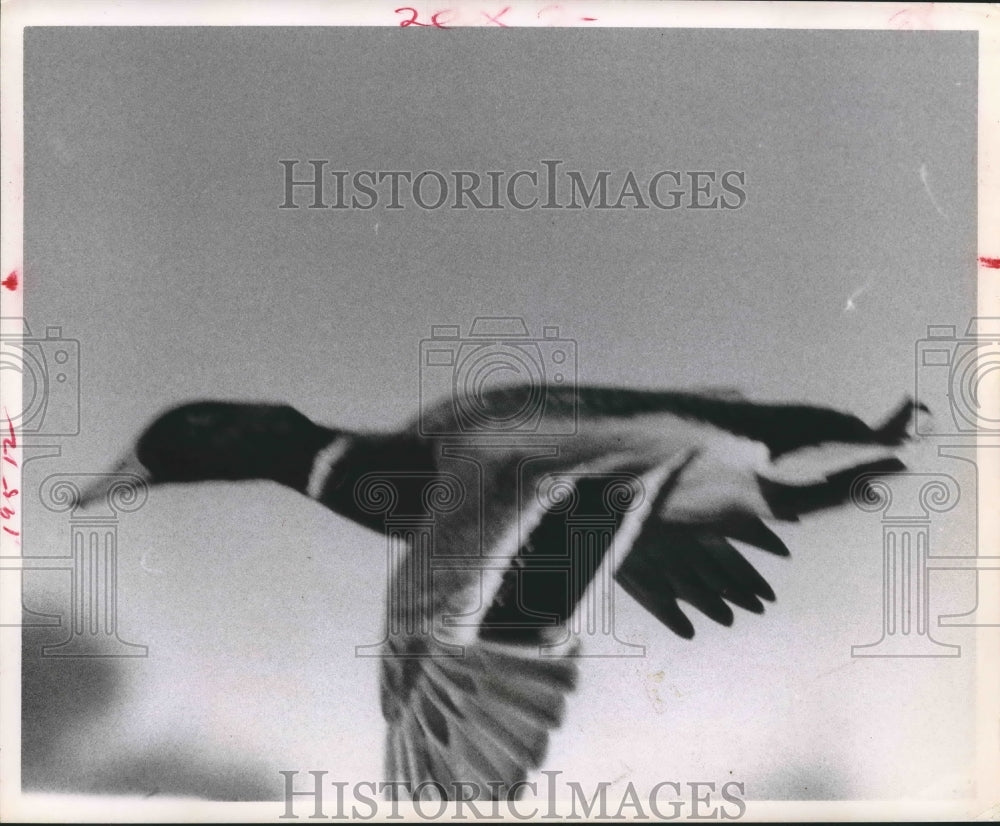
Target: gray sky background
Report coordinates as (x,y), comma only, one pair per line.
(154,238)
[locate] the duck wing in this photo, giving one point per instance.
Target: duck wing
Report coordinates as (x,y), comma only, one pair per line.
(697,562)
(563,409)
(469,722)
(472,702)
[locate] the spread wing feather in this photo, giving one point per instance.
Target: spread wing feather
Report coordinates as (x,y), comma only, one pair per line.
(484,717)
(475,722)
(697,564)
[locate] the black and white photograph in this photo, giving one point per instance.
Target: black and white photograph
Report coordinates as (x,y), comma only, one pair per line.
(499,412)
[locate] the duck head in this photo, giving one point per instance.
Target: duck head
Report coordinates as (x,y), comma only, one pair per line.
(210,440)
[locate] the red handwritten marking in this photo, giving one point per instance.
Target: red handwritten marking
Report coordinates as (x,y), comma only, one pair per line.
(495,18)
(912,17)
(441,19)
(10,282)
(412,21)
(11,442)
(7,510)
(992,263)
(440,24)
(414,14)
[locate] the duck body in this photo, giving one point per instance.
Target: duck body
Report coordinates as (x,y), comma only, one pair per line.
(487,564)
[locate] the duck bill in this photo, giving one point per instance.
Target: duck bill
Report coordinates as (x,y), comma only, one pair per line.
(129,475)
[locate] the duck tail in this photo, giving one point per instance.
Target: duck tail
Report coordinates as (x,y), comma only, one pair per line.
(842,463)
(896,428)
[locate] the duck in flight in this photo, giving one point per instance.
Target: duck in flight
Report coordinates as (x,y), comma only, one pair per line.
(477,659)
